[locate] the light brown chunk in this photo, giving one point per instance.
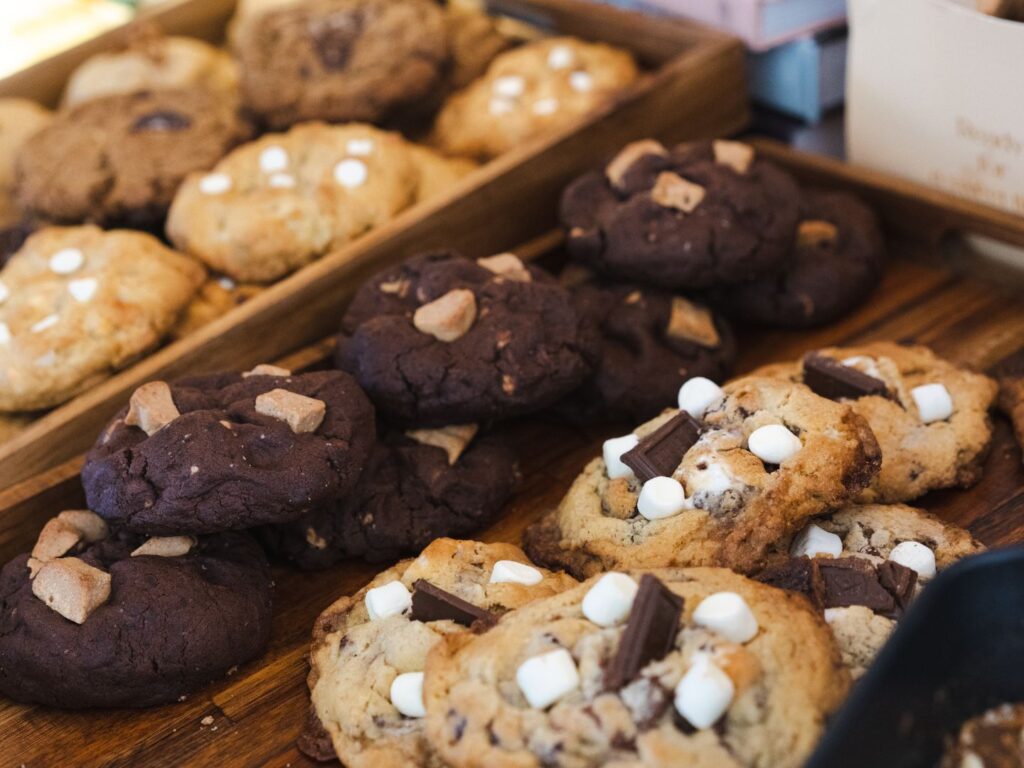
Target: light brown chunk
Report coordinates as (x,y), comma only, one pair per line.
(396,287)
(303,414)
(673,191)
(151,407)
(629,154)
(265,369)
(692,322)
(165,546)
(815,233)
(453,439)
(72,588)
(57,538)
(735,154)
(449,317)
(91,526)
(507,265)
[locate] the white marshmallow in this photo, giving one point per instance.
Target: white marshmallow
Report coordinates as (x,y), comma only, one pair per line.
(609,601)
(407,694)
(698,395)
(351,173)
(814,541)
(509,571)
(215,184)
(47,322)
(83,289)
(727,614)
(582,82)
(661,497)
(545,106)
(273,159)
(5,334)
(704,693)
(546,678)
(281,181)
(66,261)
(864,364)
(500,106)
(773,444)
(613,450)
(915,556)
(4,292)
(360,147)
(933,402)
(509,86)
(561,57)
(389,599)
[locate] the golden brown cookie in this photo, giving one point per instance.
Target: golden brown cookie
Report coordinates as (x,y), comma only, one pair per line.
(19,120)
(215,298)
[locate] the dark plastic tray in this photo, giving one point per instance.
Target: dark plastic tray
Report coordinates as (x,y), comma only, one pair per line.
(958,651)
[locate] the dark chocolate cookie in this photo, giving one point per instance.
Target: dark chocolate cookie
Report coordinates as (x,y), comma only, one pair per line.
(118,160)
(169,623)
(410,494)
(444,340)
(234,451)
(696,216)
(837,260)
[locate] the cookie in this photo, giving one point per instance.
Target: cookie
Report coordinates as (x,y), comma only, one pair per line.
(416,486)
(120,159)
(868,563)
(531,91)
(696,216)
(761,458)
(77,303)
(118,620)
(20,119)
(340,60)
(990,740)
(229,451)
(837,261)
(357,656)
(1011,394)
(442,339)
(437,173)
(284,200)
(676,667)
(930,416)
(216,297)
(474,41)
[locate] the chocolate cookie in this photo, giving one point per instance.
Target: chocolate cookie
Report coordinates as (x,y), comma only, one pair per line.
(230,451)
(119,159)
(697,216)
(122,621)
(416,487)
(837,261)
(442,340)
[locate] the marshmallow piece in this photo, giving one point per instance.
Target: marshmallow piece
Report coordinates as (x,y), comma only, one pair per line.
(704,693)
(83,289)
(215,184)
(933,402)
(609,601)
(507,265)
(916,556)
(628,155)
(303,414)
(407,694)
(509,86)
(613,450)
(360,147)
(264,369)
(546,678)
(735,154)
(390,599)
(692,322)
(5,292)
(351,173)
(71,587)
(673,191)
(395,287)
(815,233)
(5,334)
(452,439)
(274,158)
(561,57)
(449,317)
(773,443)
(165,546)
(90,526)
(151,407)
(546,106)
(511,572)
(814,541)
(47,322)
(581,82)
(727,614)
(66,261)
(698,395)
(661,497)
(56,539)
(281,181)
(500,106)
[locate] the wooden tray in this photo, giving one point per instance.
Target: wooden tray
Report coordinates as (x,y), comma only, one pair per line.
(696,88)
(258,712)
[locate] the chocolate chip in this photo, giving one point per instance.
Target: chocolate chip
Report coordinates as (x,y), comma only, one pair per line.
(899,581)
(334,36)
(834,380)
(650,632)
(854,581)
(797,574)
(431,603)
(164,120)
(659,453)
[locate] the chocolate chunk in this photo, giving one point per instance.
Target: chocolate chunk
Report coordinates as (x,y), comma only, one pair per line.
(899,581)
(854,581)
(334,37)
(163,120)
(834,380)
(660,453)
(797,574)
(431,603)
(314,741)
(650,632)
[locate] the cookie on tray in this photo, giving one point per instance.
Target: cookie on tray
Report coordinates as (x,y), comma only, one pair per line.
(696,216)
(229,451)
(717,483)
(437,173)
(284,200)
(863,565)
(20,119)
(531,91)
(369,650)
(931,416)
(93,618)
(215,298)
(1011,394)
(120,159)
(671,668)
(340,60)
(442,339)
(77,303)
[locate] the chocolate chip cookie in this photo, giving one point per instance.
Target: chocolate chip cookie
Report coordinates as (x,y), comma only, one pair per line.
(1011,394)
(229,451)
(696,216)
(99,619)
(718,486)
(675,667)
(443,339)
(20,119)
(369,650)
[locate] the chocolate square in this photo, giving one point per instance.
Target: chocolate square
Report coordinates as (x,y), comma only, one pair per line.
(431,603)
(650,632)
(854,581)
(659,454)
(833,380)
